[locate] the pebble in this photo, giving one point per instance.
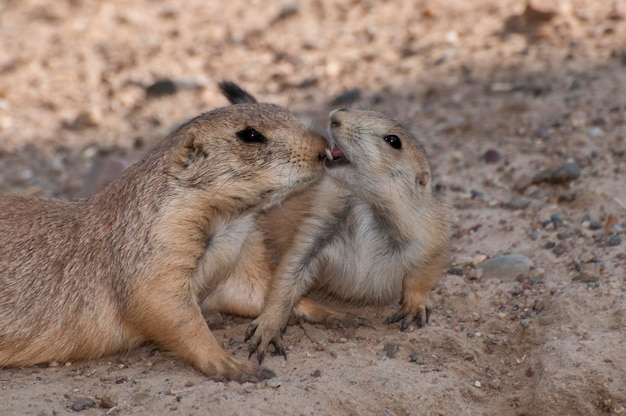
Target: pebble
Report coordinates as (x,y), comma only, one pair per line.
(168,86)
(82,403)
(522,183)
(346,97)
(615,241)
(492,156)
(611,222)
(559,249)
(557,219)
(562,174)
(593,284)
(475,274)
(507,267)
(590,272)
(476,194)
(595,225)
(84,120)
(595,131)
(391,349)
(139,399)
(317,373)
(413,358)
(273,382)
(567,197)
(478,259)
(108,401)
(534,235)
(518,203)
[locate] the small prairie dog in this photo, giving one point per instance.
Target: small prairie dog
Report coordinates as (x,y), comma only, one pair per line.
(87,278)
(372,231)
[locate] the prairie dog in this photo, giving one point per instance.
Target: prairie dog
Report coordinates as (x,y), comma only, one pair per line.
(372,230)
(87,278)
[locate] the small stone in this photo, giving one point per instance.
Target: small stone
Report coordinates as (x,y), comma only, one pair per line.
(84,120)
(595,225)
(541,11)
(559,249)
(317,373)
(82,403)
(477,384)
(413,358)
(611,221)
(273,382)
(595,131)
(534,235)
(562,174)
(590,272)
(478,259)
(391,349)
(108,401)
(615,241)
(522,183)
(557,219)
(475,274)
(524,322)
(286,12)
(567,197)
(167,86)
(161,88)
(550,245)
(476,194)
(139,399)
(346,97)
(507,267)
(518,203)
(492,156)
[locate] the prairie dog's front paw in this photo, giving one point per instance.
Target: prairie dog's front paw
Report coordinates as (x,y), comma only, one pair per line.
(261,333)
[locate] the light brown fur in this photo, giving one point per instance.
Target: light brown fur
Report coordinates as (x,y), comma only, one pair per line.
(370,232)
(82,279)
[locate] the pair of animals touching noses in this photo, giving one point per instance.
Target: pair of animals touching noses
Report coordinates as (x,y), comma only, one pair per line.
(231,213)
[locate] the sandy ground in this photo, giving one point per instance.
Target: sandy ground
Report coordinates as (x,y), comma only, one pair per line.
(496,93)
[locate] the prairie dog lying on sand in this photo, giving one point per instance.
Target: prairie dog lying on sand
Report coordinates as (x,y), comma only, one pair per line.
(87,278)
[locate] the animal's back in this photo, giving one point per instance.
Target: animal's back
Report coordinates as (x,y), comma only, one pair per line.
(46,290)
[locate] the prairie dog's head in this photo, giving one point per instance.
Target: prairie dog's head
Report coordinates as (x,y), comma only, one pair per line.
(372,153)
(252,153)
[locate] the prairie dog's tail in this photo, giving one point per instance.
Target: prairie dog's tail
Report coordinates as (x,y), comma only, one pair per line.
(235,94)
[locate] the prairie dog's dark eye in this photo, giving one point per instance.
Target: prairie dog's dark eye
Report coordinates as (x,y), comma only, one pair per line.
(250,135)
(394,141)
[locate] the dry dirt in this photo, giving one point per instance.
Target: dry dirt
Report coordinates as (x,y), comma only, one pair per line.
(536,89)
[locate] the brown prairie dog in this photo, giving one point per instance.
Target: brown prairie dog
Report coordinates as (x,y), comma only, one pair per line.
(372,232)
(87,278)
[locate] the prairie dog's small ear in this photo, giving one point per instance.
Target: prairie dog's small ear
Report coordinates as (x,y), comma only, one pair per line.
(421,179)
(190,151)
(235,94)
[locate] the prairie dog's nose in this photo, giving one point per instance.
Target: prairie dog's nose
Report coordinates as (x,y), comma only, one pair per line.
(335,117)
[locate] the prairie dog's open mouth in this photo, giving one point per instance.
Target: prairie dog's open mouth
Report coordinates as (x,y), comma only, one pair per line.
(335,157)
